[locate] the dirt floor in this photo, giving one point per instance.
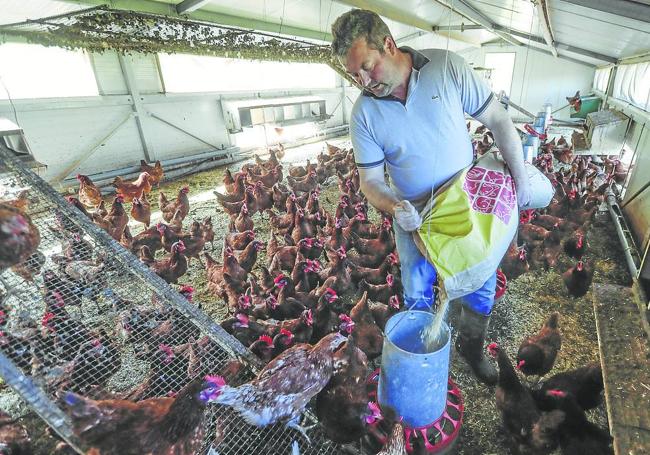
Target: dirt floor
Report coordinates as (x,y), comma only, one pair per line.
(528,301)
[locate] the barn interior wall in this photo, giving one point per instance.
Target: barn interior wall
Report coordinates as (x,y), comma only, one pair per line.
(636,200)
(104,131)
(538,78)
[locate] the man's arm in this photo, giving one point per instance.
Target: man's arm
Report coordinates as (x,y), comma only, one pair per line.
(496,118)
(384,199)
(379,194)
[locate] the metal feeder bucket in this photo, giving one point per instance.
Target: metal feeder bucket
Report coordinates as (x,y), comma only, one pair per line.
(413,381)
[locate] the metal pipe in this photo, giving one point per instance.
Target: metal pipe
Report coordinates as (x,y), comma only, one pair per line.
(521,109)
(103,179)
(617,217)
(638,115)
(37,400)
(468,11)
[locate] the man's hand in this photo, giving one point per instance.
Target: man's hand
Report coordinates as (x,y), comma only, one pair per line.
(406,216)
(523,190)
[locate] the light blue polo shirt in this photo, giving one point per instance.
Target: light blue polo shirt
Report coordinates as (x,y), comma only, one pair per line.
(424,141)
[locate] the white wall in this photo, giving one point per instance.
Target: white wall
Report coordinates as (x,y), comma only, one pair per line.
(62,130)
(539,78)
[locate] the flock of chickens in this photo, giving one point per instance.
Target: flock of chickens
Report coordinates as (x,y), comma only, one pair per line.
(313,311)
(537,420)
(580,188)
(301,293)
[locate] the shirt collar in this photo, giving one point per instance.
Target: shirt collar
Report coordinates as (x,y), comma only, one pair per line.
(419,60)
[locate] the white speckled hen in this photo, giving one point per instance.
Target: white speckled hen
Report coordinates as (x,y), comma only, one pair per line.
(283,388)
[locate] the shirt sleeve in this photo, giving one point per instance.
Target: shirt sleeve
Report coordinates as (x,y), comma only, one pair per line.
(475,94)
(367,153)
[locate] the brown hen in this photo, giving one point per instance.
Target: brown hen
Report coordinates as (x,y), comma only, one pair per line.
(537,353)
(529,430)
(14,439)
(133,189)
(89,194)
(180,204)
(342,406)
(369,336)
(19,237)
(156,171)
(157,425)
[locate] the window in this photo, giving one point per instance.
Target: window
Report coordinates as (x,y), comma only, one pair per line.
(190,73)
(34,71)
(632,84)
(502,65)
(601,77)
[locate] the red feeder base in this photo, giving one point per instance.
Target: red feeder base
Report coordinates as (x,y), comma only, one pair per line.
(437,437)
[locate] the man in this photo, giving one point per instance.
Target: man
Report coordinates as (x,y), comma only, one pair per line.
(410,118)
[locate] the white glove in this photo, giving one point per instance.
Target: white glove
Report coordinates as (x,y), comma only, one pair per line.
(406,216)
(523,191)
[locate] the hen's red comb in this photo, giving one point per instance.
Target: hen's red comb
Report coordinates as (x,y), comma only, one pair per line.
(331,291)
(267,339)
(556,393)
(216,380)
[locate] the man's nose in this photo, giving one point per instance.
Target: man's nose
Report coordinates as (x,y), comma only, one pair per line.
(363,78)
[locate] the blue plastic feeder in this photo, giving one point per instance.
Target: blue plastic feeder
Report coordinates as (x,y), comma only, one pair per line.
(413,379)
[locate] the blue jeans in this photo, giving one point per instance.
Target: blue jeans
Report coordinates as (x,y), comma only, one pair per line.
(418,277)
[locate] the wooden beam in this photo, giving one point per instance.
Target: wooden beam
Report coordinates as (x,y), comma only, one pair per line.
(545,20)
(624,354)
(187,6)
(139,111)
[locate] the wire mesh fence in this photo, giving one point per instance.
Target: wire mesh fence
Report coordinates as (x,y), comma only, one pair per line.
(83,314)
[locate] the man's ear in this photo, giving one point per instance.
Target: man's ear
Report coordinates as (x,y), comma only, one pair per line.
(389,45)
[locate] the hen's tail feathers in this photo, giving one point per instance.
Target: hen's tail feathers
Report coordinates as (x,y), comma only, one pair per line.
(553,320)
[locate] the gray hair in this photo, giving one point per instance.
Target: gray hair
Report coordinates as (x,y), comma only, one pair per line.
(355,24)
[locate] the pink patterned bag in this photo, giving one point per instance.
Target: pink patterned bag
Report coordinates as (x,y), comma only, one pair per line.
(468,225)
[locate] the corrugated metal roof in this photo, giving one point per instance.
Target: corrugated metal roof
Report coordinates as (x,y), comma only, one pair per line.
(573,25)
(599,31)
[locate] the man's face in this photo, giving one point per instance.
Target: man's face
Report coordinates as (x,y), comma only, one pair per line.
(376,72)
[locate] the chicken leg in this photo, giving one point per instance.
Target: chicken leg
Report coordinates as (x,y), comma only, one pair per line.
(295,424)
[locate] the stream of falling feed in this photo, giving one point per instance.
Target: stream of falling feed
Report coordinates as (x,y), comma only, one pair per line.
(432,334)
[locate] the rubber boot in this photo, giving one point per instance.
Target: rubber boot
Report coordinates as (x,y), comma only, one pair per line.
(469,343)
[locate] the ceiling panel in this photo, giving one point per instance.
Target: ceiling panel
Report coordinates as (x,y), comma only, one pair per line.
(21,10)
(515,14)
(599,31)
